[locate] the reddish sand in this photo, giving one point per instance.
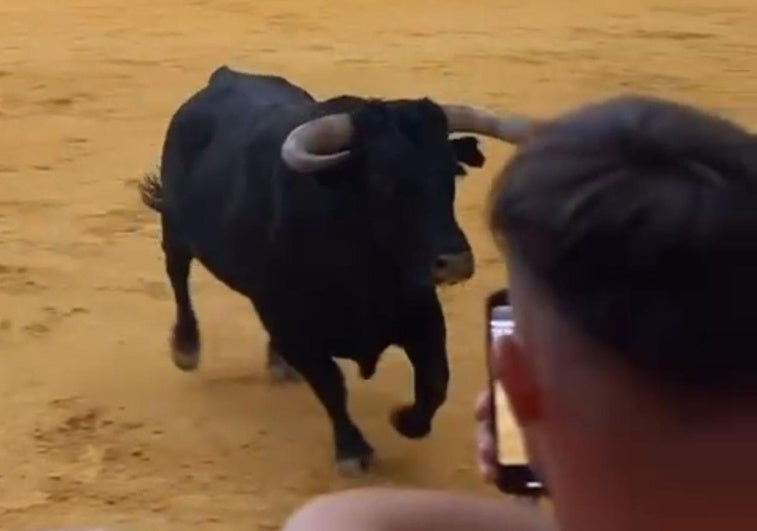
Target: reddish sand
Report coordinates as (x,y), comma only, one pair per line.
(98,426)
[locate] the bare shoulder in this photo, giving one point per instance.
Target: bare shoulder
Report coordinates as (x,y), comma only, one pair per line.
(77,529)
(417,510)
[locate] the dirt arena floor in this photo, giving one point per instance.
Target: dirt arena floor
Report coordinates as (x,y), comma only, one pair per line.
(98,426)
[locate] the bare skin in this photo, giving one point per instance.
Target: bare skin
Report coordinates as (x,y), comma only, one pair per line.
(415,510)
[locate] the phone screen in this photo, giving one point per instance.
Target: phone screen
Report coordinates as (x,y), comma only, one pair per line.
(510,449)
(514,474)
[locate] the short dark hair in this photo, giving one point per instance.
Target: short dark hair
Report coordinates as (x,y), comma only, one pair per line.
(638,216)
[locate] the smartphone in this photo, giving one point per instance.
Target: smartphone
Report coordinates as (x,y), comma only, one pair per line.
(514,475)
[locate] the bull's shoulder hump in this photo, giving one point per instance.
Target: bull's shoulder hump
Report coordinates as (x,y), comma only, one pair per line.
(341,103)
(220,74)
(258,85)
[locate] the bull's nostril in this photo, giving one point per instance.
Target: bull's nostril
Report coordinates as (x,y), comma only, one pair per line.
(441,263)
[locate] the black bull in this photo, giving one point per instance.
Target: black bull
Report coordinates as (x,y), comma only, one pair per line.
(335,218)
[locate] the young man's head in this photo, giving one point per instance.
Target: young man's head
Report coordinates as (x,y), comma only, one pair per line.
(630,233)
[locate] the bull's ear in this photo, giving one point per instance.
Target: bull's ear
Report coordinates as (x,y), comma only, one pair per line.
(467,152)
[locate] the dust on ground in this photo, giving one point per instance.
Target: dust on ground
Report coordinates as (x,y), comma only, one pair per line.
(98,426)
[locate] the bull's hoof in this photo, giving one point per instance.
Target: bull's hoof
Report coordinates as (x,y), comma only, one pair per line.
(283,374)
(354,466)
(185,361)
(409,423)
(278,369)
(185,348)
(354,456)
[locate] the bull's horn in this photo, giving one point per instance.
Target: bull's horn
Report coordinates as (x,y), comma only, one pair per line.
(318,144)
(512,128)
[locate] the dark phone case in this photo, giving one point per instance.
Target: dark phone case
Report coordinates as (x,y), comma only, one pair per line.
(513,479)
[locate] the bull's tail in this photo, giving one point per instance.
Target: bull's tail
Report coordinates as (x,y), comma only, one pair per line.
(151,191)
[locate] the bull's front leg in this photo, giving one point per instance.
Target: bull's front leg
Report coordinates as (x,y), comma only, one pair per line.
(353,453)
(425,345)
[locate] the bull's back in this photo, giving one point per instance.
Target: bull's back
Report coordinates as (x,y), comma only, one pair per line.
(263,89)
(232,107)
(220,161)
(212,133)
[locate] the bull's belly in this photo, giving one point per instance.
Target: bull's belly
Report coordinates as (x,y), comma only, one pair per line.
(232,278)
(324,331)
(340,327)
(312,316)
(233,273)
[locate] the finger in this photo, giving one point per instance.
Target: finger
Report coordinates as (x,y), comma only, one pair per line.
(486,453)
(487,471)
(482,410)
(485,443)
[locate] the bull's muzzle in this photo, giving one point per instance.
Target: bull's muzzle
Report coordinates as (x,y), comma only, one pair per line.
(453,268)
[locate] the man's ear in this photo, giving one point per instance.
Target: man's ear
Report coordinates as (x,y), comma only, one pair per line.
(467,152)
(511,368)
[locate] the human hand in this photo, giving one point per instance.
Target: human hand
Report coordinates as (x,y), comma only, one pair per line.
(486,451)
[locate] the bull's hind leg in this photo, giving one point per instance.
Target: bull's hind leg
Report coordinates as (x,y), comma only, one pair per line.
(185,337)
(279,370)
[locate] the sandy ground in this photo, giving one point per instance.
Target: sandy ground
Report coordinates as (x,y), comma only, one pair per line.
(98,426)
